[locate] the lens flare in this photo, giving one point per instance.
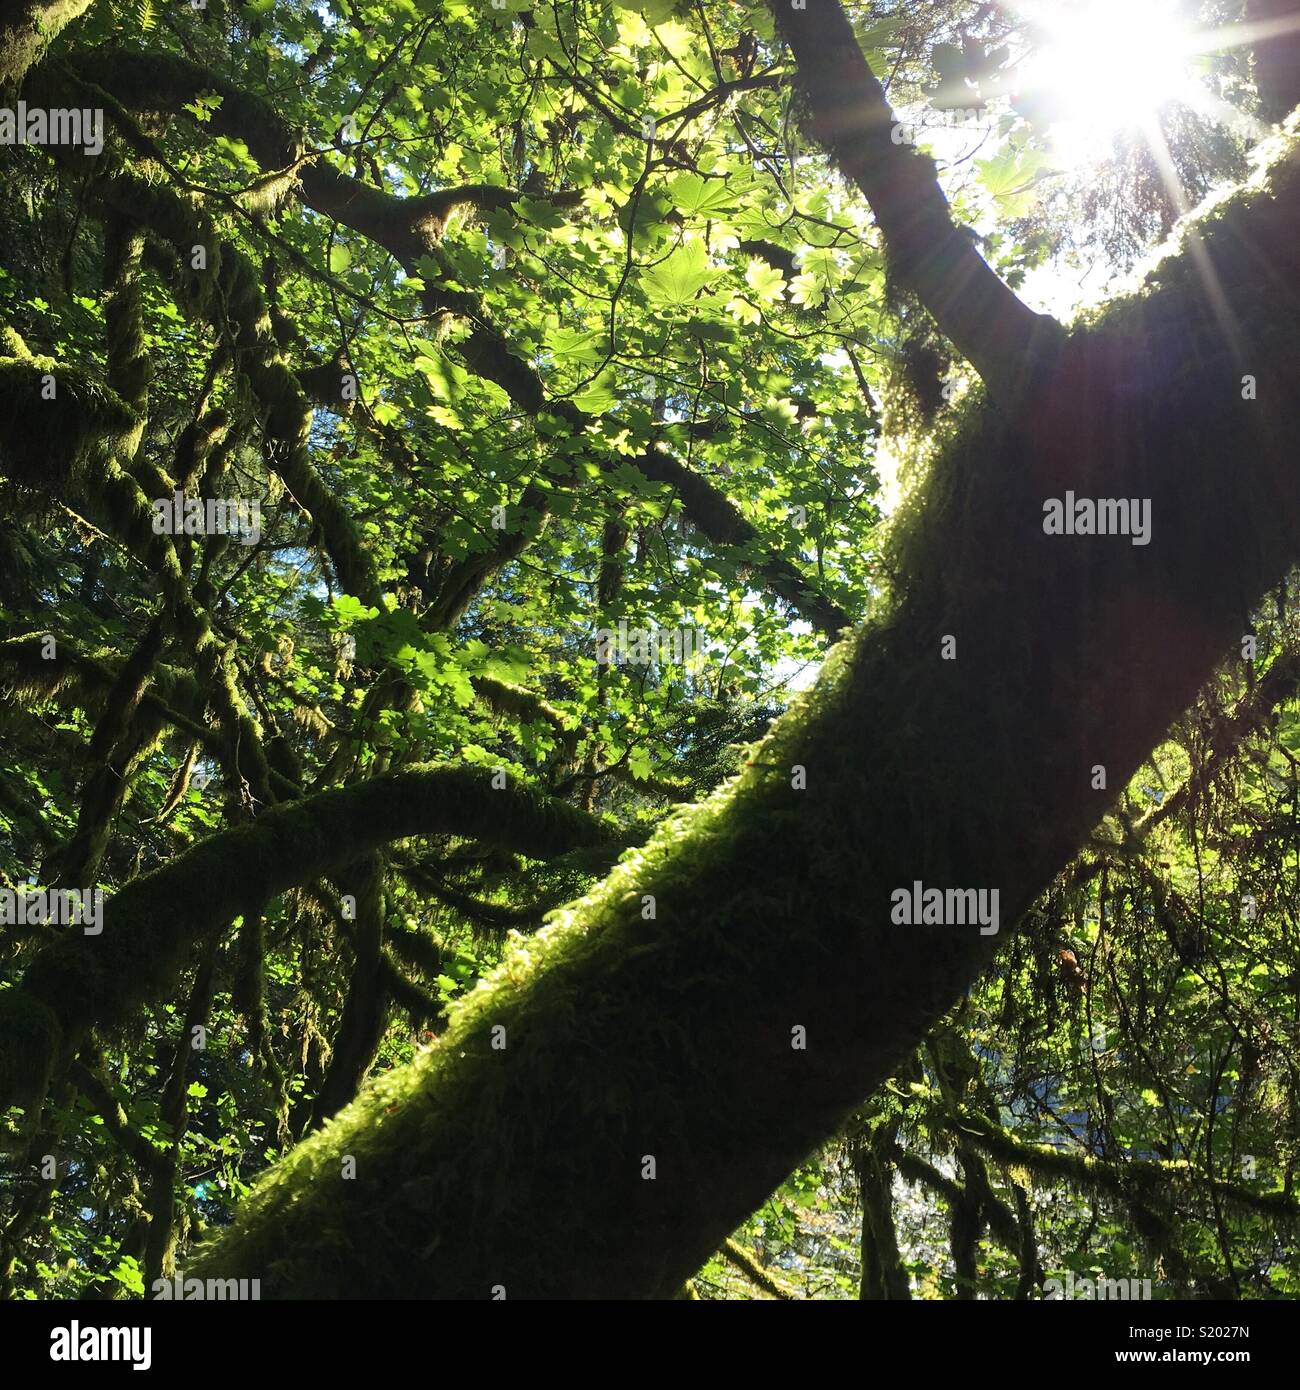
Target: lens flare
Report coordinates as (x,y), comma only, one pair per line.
(1102,68)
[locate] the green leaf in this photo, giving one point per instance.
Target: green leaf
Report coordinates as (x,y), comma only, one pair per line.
(1010,178)
(446,379)
(128,1273)
(743,310)
(540,214)
(652,11)
(598,395)
(692,194)
(579,346)
(680,276)
(765,280)
(640,764)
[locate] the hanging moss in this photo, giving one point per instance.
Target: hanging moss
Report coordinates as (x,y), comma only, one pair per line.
(228,293)
(129,366)
(1122,1178)
(59,443)
(151,926)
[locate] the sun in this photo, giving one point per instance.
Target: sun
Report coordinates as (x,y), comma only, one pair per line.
(1101,68)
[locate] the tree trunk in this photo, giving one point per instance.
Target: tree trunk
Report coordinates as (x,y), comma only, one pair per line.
(27,27)
(630,1084)
(1277,54)
(884,1275)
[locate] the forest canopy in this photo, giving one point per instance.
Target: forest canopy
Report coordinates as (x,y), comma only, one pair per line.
(649,648)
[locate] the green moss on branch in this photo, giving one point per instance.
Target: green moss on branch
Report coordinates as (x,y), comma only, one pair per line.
(151,927)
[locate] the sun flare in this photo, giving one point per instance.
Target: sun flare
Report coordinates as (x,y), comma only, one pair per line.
(1105,67)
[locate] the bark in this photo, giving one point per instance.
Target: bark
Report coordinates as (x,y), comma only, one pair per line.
(27,27)
(1276,25)
(627,1036)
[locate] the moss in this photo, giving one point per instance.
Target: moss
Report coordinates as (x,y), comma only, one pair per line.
(129,367)
(55,445)
(151,927)
(32,1037)
(227,292)
(1122,1179)
(523,705)
(671,1035)
(73,445)
(26,30)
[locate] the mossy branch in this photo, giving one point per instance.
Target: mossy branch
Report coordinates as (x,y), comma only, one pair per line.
(1094,1174)
(151,926)
(27,28)
(737,1255)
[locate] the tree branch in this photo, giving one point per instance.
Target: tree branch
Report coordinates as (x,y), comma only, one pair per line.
(851,119)
(149,929)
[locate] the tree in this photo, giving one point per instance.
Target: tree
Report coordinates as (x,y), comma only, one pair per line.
(637,1076)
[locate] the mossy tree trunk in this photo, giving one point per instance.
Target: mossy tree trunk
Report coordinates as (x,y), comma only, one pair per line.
(517,1152)
(26,29)
(884,1275)
(638,1077)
